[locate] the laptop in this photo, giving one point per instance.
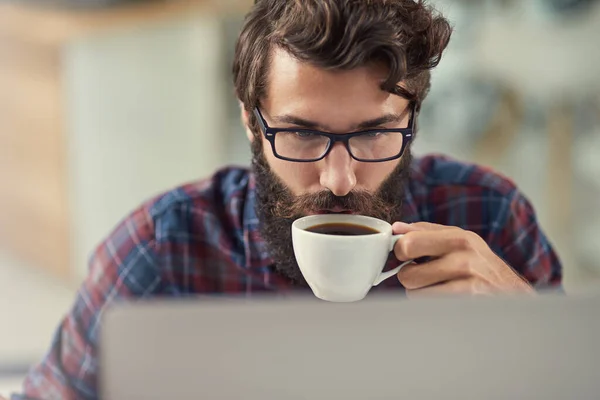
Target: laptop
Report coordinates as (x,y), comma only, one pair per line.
(384,347)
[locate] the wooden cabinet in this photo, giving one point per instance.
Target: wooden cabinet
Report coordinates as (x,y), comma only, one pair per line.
(33,195)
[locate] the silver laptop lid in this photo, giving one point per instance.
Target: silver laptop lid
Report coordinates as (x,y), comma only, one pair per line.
(381,348)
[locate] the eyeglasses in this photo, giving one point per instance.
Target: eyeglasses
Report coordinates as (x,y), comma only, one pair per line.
(307,145)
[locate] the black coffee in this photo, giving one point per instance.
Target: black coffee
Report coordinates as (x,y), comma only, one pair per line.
(342,229)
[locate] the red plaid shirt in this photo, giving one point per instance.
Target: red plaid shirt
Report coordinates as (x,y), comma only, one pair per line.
(203,238)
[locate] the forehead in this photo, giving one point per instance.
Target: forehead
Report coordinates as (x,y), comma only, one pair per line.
(338,98)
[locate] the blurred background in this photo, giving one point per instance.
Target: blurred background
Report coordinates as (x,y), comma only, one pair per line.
(105,103)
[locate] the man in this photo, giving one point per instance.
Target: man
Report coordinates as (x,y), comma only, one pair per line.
(330,93)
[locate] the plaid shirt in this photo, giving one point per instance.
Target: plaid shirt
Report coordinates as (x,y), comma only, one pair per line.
(203,238)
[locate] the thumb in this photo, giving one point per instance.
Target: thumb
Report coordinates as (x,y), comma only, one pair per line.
(400,228)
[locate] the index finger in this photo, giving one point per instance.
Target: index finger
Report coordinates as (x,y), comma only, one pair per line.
(432,243)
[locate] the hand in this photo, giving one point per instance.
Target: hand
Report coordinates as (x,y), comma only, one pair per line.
(462,263)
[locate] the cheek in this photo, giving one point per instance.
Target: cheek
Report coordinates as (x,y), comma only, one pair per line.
(371,176)
(298,177)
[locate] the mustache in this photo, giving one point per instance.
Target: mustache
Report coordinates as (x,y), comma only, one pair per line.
(359,201)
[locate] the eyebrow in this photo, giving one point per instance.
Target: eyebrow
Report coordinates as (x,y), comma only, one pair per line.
(372,123)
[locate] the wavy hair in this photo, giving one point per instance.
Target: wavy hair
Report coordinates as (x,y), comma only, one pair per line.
(408,36)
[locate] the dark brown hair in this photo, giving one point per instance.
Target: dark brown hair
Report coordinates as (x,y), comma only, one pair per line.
(408,36)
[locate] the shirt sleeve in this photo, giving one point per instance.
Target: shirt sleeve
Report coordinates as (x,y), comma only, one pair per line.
(122,267)
(523,245)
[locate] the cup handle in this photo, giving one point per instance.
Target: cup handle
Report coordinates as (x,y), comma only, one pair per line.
(384,275)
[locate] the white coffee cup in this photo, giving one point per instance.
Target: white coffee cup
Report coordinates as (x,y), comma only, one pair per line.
(343,268)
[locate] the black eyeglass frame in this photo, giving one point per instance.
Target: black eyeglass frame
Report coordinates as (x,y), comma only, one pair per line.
(270,133)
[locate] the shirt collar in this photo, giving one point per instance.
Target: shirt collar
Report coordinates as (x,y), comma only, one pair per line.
(257,255)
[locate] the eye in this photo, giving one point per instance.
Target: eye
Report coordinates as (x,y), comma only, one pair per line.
(304,135)
(375,134)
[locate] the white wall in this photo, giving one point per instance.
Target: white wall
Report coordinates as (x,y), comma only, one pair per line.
(145,112)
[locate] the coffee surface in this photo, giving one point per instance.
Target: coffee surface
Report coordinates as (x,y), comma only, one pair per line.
(343,229)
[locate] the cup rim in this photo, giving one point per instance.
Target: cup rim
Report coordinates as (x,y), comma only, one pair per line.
(340,218)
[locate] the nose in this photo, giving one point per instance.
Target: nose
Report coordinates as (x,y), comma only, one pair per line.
(338,174)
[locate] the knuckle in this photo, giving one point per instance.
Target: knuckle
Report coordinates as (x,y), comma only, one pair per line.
(469,267)
(465,265)
(474,238)
(479,288)
(461,242)
(465,240)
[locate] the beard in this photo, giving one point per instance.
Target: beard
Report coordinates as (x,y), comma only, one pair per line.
(277,208)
